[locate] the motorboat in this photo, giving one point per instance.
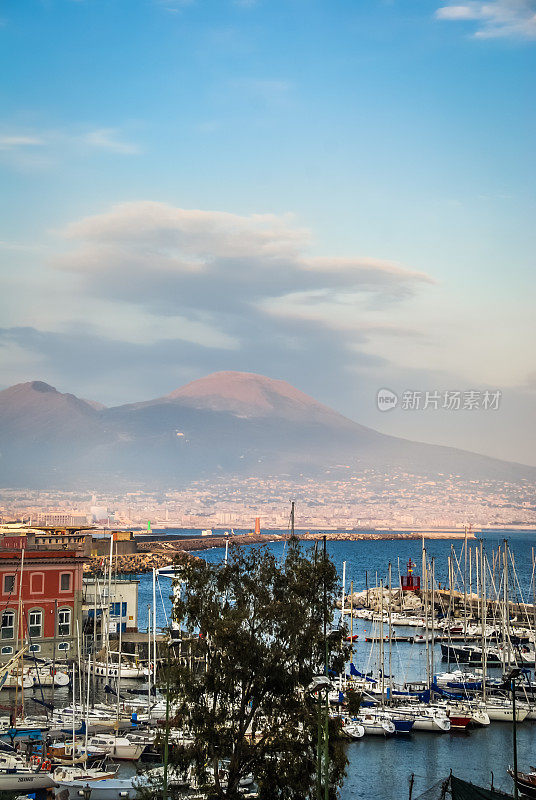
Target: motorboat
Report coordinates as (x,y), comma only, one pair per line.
(124,670)
(425,718)
(117,747)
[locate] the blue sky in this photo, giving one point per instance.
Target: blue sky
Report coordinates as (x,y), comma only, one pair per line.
(340,194)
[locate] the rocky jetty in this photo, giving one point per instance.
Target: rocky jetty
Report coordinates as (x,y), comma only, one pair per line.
(161,553)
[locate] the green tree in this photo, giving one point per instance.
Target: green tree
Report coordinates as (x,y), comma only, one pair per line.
(256,628)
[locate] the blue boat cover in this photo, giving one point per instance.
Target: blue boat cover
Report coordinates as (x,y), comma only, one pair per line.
(443,693)
(354,671)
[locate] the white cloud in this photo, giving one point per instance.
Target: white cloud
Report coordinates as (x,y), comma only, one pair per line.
(494,18)
(108,139)
(232,278)
(14,141)
(174,6)
(455,12)
(260,254)
(265,91)
(44,148)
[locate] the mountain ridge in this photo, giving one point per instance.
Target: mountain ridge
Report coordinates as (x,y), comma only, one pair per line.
(224,423)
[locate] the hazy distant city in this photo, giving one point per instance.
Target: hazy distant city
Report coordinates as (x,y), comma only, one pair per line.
(372,499)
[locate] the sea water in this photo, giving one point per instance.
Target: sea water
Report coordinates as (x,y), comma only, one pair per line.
(380,769)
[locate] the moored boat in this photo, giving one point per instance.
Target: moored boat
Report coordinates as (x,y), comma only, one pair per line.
(525,782)
(117,747)
(375,725)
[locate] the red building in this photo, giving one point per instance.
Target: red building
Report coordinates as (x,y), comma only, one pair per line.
(40,598)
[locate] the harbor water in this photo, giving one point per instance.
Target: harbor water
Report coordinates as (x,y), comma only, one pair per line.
(380,768)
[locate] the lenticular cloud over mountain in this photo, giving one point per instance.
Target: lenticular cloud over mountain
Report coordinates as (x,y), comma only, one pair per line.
(189,260)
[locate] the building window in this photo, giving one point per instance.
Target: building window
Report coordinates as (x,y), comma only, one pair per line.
(37,580)
(35,648)
(7,631)
(9,584)
(64,646)
(6,651)
(65,582)
(35,624)
(64,622)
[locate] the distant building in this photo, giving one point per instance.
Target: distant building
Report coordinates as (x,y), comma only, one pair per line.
(40,596)
(98,513)
(55,520)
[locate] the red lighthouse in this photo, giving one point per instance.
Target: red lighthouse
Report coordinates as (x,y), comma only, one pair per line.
(411,582)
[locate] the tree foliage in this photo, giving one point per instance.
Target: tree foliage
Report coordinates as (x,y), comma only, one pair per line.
(255,628)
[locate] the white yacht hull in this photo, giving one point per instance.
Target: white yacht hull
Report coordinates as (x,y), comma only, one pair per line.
(505,713)
(111,789)
(24,782)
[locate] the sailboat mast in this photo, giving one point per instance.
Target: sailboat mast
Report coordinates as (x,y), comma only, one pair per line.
(382,657)
(433,616)
(425,598)
(483,617)
(351,622)
(154,625)
(533,595)
(343,590)
(149,662)
(20,633)
(94,649)
(86,726)
(74,709)
(465,584)
(119,676)
(342,610)
(108,601)
(390,635)
(450,585)
(470,582)
(506,603)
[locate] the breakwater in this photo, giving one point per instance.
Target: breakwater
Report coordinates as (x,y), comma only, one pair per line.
(162,553)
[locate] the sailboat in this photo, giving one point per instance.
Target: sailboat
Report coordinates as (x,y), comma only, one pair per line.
(525,782)
(16,775)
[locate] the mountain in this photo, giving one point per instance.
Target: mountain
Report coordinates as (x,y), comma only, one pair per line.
(44,434)
(247,395)
(228,423)
(35,410)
